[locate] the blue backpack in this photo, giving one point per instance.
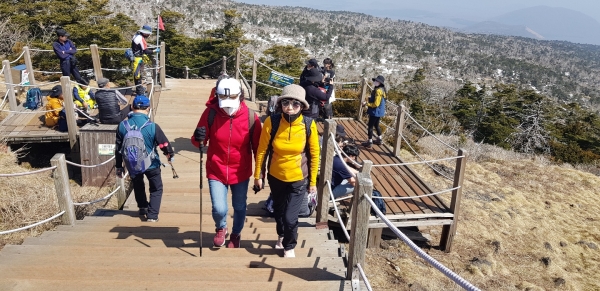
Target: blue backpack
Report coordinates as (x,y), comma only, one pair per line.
(129,55)
(137,158)
(379,202)
(34,99)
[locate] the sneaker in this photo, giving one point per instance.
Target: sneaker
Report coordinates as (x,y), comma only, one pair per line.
(367,144)
(143,211)
(378,142)
(289,253)
(279,244)
(219,239)
(152,220)
(234,241)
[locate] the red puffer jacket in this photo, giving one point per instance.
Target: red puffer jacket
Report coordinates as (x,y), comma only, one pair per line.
(229,157)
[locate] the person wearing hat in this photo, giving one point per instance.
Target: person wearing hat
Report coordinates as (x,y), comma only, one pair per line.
(375,110)
(316,96)
(140,50)
(343,173)
(310,64)
(54,106)
(84,97)
(153,137)
(232,138)
(291,142)
(65,51)
(109,103)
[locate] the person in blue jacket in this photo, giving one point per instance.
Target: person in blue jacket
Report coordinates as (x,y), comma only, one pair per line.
(376,110)
(65,50)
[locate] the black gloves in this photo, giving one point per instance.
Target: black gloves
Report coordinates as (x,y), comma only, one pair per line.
(200,133)
(120,172)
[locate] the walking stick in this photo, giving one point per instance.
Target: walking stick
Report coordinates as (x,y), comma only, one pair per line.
(201,184)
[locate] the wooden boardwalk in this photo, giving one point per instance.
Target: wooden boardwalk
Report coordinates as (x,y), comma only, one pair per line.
(117,250)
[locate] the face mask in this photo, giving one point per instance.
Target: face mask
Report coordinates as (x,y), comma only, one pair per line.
(375,83)
(230,106)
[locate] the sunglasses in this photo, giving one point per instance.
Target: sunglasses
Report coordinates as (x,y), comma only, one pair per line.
(287,102)
(224,97)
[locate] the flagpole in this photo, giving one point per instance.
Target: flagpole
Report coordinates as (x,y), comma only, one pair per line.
(157,45)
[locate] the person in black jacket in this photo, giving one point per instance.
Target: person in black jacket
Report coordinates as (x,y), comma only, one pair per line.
(315,95)
(65,51)
(310,64)
(108,101)
(140,49)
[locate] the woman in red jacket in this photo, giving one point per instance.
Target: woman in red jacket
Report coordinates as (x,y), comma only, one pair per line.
(232,134)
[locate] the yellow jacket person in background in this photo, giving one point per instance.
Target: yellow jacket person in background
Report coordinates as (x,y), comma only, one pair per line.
(55,103)
(292,142)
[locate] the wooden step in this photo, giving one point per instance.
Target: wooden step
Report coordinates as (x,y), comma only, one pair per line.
(208,226)
(116,250)
(136,284)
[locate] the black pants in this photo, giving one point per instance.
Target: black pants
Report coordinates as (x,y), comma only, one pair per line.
(68,67)
(139,89)
(373,122)
(287,200)
(117,118)
(156,191)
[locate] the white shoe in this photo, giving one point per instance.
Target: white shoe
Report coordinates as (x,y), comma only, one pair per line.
(289,253)
(279,244)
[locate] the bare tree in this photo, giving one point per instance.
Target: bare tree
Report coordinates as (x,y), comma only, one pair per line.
(531,137)
(10,34)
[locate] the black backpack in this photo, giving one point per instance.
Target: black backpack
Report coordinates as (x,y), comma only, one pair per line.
(379,202)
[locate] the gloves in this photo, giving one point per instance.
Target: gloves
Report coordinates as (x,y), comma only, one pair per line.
(200,133)
(120,172)
(170,157)
(157,50)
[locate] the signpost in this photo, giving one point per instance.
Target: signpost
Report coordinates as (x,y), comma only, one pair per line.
(280,78)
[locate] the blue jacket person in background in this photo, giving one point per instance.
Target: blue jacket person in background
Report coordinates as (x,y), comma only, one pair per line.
(65,50)
(153,137)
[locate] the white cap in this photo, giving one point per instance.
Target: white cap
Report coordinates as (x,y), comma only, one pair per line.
(229,86)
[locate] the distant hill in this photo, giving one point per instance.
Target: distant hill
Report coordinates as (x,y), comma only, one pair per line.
(543,22)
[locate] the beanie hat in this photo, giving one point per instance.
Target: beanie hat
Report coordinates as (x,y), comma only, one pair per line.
(296,92)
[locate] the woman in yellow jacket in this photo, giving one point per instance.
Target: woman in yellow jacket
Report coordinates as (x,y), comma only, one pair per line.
(55,103)
(293,163)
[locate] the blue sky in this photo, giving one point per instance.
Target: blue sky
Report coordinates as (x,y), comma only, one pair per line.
(438,12)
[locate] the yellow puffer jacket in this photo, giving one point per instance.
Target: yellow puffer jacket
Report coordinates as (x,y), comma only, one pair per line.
(55,104)
(289,162)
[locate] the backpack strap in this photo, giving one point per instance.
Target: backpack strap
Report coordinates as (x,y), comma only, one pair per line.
(211,117)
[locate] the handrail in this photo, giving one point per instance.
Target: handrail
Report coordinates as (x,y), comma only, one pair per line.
(420,196)
(449,273)
(28,173)
(260,83)
(421,162)
(422,159)
(427,131)
(99,200)
(90,166)
(364,277)
(337,211)
(18,58)
(32,225)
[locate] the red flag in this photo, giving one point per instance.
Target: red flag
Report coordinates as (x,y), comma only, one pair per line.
(161,25)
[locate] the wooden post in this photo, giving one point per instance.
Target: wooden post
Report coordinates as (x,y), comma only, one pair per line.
(399,128)
(448,231)
(363,97)
(12,99)
(28,65)
(224,65)
(327,154)
(187,72)
(154,101)
(68,105)
(365,169)
(121,193)
(162,62)
(237,63)
(96,61)
(253,94)
(63,190)
(360,224)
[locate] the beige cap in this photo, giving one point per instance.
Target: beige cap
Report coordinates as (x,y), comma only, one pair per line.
(294,91)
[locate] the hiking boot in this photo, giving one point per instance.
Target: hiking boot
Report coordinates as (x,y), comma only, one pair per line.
(219,239)
(234,241)
(368,145)
(143,211)
(289,253)
(279,244)
(152,220)
(378,142)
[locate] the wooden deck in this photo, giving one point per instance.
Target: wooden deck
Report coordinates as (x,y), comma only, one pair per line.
(29,127)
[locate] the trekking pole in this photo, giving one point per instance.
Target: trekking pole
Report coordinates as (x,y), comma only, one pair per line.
(201,184)
(175,176)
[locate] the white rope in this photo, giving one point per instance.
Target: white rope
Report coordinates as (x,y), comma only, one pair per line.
(416,197)
(99,200)
(422,159)
(345,83)
(18,58)
(32,225)
(36,85)
(119,88)
(339,151)
(112,49)
(245,80)
(337,211)
(205,66)
(2,71)
(416,163)
(427,131)
(28,173)
(4,100)
(364,277)
(345,99)
(116,70)
(85,114)
(30,112)
(260,83)
(40,50)
(92,166)
(453,276)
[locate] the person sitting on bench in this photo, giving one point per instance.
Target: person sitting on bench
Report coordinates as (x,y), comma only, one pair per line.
(344,178)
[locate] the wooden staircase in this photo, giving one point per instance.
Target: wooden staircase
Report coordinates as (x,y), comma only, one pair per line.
(117,250)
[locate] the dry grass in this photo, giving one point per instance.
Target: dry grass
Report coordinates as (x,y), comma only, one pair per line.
(524,224)
(28,199)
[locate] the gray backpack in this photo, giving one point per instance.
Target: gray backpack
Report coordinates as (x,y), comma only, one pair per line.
(136,157)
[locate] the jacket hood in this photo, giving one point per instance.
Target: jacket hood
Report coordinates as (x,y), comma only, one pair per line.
(214,103)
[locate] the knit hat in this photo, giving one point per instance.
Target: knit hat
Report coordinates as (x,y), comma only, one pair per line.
(56,91)
(294,91)
(102,82)
(141,101)
(379,79)
(146,29)
(314,75)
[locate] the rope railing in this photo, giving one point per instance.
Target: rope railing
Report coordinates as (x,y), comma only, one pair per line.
(449,273)
(28,173)
(98,200)
(245,81)
(2,71)
(428,132)
(364,277)
(416,163)
(337,211)
(266,66)
(90,166)
(60,72)
(417,197)
(36,85)
(32,225)
(18,58)
(267,85)
(113,48)
(339,151)
(4,100)
(422,159)
(41,50)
